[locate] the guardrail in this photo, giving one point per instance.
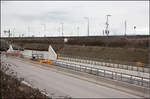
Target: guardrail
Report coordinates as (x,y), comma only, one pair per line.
(108,64)
(131,79)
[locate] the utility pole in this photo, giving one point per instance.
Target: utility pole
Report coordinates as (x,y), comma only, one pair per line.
(78,30)
(59,29)
(44,25)
(28,30)
(62,29)
(9,33)
(106,30)
(13,32)
(125,31)
(134,29)
(103,32)
(5,31)
(88,30)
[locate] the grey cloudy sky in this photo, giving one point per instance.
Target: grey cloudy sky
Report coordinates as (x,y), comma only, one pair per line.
(28,17)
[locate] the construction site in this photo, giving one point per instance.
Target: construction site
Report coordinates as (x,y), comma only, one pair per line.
(59,53)
(101,63)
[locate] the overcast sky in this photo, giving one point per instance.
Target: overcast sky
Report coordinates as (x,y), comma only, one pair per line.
(30,17)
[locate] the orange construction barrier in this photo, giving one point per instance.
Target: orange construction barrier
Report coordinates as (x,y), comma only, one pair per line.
(42,61)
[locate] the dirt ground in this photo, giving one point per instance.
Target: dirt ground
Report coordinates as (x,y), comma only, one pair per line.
(107,53)
(115,48)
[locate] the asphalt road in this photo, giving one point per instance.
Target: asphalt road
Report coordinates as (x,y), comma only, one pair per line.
(60,85)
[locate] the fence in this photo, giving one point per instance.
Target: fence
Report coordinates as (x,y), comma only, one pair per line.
(128,66)
(132,79)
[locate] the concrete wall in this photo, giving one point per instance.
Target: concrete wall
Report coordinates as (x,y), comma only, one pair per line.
(50,54)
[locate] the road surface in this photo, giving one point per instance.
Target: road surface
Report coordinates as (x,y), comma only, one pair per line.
(60,85)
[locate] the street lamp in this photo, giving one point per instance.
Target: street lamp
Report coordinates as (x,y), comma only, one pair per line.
(87,25)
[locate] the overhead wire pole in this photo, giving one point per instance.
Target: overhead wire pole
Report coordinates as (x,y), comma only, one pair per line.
(78,31)
(88,30)
(44,25)
(125,31)
(106,30)
(28,30)
(9,33)
(13,32)
(5,31)
(62,29)
(134,29)
(44,29)
(59,29)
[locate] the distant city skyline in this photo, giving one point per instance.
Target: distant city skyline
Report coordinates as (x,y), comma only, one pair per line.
(41,18)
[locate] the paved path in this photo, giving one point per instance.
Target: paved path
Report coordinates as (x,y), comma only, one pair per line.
(59,84)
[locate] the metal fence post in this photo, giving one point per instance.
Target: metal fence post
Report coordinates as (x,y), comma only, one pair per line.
(75,67)
(115,75)
(121,76)
(112,75)
(80,67)
(97,73)
(142,81)
(85,69)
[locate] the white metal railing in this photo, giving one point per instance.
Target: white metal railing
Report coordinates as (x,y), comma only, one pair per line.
(114,65)
(132,79)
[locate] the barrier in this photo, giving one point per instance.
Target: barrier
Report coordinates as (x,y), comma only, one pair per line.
(131,79)
(114,65)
